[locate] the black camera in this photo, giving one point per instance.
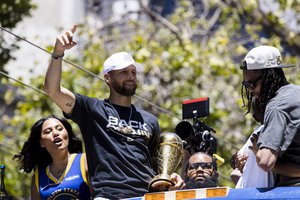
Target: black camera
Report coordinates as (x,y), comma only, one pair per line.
(196,137)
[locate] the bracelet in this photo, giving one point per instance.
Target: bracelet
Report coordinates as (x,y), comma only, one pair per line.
(56,57)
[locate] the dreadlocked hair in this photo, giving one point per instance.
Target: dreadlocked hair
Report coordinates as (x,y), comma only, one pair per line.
(245,92)
(272,80)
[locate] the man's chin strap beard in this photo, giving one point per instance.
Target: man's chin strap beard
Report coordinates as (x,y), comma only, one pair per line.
(208,182)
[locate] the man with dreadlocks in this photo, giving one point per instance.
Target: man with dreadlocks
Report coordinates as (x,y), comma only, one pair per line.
(265,82)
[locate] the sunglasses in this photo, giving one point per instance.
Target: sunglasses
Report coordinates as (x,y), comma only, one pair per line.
(251,84)
(243,65)
(203,165)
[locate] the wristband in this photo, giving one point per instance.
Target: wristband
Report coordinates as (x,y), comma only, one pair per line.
(56,57)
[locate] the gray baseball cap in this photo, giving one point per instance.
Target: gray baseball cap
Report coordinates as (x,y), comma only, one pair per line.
(263,57)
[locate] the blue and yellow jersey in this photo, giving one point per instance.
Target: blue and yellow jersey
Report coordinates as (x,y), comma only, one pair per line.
(71,185)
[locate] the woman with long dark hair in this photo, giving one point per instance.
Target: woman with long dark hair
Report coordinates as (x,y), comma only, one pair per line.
(54,153)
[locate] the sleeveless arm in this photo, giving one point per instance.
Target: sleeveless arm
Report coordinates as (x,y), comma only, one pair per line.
(34,192)
(85,172)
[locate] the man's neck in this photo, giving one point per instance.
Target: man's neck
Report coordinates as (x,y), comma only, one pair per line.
(120,100)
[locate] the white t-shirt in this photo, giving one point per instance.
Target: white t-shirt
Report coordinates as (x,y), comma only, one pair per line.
(253,176)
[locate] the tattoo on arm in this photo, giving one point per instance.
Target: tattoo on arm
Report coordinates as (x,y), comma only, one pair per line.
(70,104)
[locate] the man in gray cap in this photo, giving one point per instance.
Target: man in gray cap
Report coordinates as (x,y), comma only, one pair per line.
(279,140)
(119,138)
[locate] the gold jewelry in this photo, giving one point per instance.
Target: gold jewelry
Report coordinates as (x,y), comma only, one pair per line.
(123,129)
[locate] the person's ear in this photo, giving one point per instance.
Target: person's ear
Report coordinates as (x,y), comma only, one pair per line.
(217,174)
(106,78)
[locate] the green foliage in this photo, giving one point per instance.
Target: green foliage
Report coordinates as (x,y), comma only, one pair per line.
(201,60)
(11,13)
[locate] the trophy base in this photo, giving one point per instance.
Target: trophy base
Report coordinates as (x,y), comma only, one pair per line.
(160,183)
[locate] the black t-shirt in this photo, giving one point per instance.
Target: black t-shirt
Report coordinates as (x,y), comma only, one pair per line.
(119,143)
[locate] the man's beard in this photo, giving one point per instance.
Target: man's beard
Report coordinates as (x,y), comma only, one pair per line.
(208,182)
(123,90)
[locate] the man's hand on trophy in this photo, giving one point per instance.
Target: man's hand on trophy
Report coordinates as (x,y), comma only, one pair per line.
(169,155)
(164,182)
(177,180)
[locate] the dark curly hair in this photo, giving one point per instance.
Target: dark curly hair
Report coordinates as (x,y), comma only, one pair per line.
(32,154)
(272,80)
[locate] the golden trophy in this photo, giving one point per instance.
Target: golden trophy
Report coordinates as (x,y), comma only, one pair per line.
(169,154)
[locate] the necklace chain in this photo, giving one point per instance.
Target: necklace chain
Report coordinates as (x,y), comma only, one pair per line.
(117,113)
(130,114)
(54,170)
(124,129)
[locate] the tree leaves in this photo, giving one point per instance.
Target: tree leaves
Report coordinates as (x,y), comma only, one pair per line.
(194,53)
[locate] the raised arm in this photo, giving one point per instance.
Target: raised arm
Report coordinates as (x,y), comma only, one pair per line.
(63,97)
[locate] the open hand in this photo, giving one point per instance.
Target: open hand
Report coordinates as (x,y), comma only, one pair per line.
(240,161)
